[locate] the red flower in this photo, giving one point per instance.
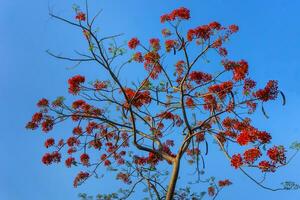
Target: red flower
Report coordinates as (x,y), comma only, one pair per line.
(204,32)
(215,25)
(170,44)
(103,157)
(224,183)
(210,103)
(189,102)
(107,163)
(248,85)
(265,166)
(47,125)
(138,57)
(233,28)
(180,13)
(72,141)
(221,89)
(77,130)
(277,154)
(252,155)
(236,161)
(180,67)
(240,68)
(166,32)
(211,191)
(200,77)
(43,103)
(151,64)
(99,85)
(82,176)
(85,159)
(50,158)
(37,117)
(223,52)
(74,84)
(270,92)
(133,43)
(137,99)
(154,42)
(50,142)
(77,104)
(70,161)
(80,16)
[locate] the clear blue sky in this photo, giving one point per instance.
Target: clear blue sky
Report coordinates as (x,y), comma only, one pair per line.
(268,39)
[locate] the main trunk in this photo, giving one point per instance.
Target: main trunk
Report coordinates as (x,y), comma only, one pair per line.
(173,180)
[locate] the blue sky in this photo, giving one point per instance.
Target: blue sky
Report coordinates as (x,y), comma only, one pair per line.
(268,39)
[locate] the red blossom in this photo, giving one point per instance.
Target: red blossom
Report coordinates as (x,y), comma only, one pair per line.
(211,191)
(200,77)
(99,85)
(190,102)
(266,166)
(223,183)
(270,92)
(166,32)
(133,43)
(138,57)
(80,16)
(77,130)
(170,44)
(248,85)
(74,84)
(277,154)
(154,42)
(43,103)
(70,161)
(49,142)
(72,141)
(240,68)
(252,155)
(137,99)
(180,14)
(47,125)
(37,117)
(85,159)
(236,161)
(233,28)
(81,176)
(221,89)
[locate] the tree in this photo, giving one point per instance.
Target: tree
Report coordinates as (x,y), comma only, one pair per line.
(134,129)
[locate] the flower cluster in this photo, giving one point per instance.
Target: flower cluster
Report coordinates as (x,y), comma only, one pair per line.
(180,13)
(252,155)
(133,43)
(223,183)
(270,92)
(151,64)
(49,142)
(80,16)
(236,161)
(170,44)
(138,57)
(240,68)
(277,154)
(85,159)
(200,77)
(74,84)
(155,44)
(81,176)
(50,158)
(70,161)
(204,32)
(248,85)
(221,89)
(252,135)
(137,99)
